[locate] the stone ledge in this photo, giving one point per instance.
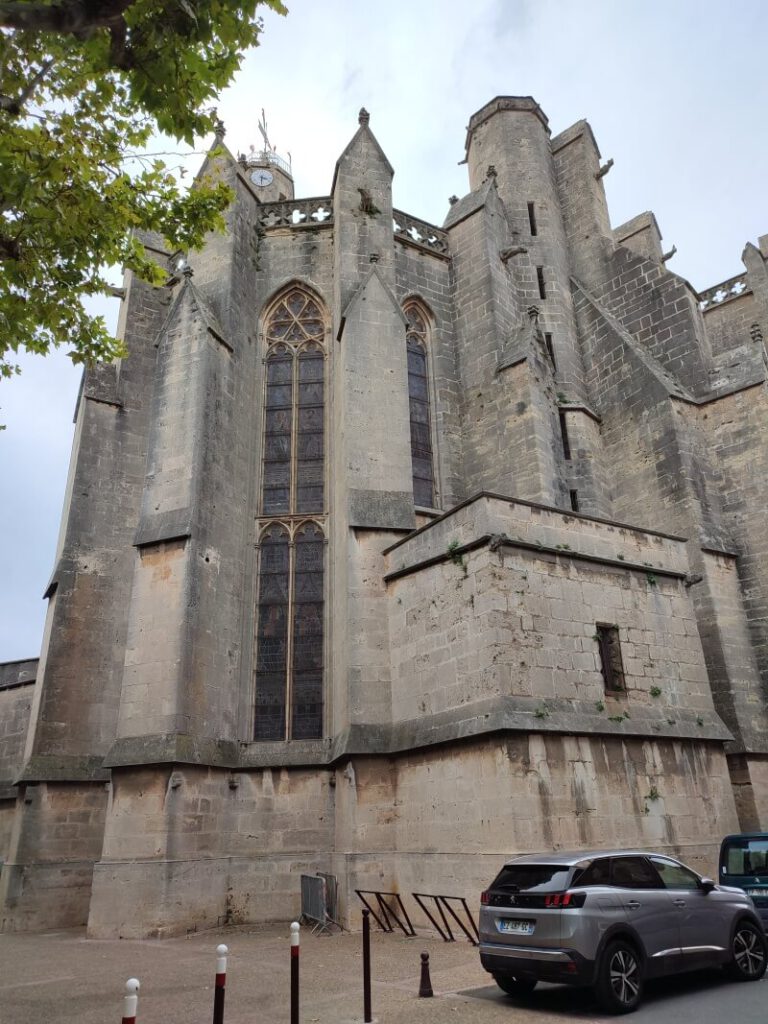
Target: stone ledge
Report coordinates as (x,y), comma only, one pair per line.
(172,748)
(484,718)
(63,768)
(163,526)
(525,714)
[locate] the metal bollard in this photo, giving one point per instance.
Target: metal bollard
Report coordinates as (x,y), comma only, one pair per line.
(295,972)
(367,1017)
(221,984)
(425,984)
(131,1002)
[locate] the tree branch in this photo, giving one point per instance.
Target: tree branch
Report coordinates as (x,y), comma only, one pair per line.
(14,104)
(72,17)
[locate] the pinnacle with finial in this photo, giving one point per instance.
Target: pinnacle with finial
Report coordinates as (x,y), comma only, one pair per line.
(363,117)
(219,131)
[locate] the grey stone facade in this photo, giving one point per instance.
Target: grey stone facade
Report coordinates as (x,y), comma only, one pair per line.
(597,437)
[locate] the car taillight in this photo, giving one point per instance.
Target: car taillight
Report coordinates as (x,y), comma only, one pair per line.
(565,899)
(485,898)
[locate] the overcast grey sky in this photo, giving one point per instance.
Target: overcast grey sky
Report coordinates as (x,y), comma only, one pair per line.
(676,92)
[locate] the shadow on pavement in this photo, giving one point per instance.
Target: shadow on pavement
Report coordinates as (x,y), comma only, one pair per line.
(579,1003)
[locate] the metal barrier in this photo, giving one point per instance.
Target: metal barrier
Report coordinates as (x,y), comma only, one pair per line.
(331,897)
(319,901)
(388,912)
(443,904)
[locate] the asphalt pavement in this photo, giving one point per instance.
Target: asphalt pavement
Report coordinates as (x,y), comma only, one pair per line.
(64,978)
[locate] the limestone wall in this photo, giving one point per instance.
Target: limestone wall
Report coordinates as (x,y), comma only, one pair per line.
(520,621)
(197,847)
(758,771)
(15,704)
(737,428)
(728,323)
(17,680)
(444,820)
(47,881)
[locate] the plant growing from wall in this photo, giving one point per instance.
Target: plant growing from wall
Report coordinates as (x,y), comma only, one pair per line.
(454,553)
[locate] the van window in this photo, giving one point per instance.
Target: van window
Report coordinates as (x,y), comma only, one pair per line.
(746,857)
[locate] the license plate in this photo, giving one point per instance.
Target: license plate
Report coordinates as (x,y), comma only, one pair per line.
(513,927)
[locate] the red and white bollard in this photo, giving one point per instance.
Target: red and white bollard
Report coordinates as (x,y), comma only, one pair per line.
(221,984)
(131,1001)
(295,972)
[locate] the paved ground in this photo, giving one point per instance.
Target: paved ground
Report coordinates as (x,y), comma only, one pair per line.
(64,978)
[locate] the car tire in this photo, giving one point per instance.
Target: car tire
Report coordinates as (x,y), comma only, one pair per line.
(749,953)
(515,986)
(619,984)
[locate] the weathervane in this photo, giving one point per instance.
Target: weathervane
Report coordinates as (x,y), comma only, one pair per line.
(263,129)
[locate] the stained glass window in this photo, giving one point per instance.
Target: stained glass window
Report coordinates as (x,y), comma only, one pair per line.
(272,634)
(290,601)
(294,463)
(418,392)
(307,654)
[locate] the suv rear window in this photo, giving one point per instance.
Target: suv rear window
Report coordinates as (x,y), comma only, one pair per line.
(532,878)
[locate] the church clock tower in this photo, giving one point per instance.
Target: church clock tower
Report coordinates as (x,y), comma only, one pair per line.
(268,172)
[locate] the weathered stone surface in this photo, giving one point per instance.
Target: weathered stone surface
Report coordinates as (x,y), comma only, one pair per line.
(596,433)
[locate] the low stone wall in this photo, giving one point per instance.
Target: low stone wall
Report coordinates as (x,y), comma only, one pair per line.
(441,820)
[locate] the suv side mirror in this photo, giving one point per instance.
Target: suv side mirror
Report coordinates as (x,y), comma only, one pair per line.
(707,885)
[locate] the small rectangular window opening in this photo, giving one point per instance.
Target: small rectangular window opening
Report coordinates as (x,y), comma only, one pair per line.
(542,286)
(611,667)
(550,350)
(532,218)
(575,501)
(564,435)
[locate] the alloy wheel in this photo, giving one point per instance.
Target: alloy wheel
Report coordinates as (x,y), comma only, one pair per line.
(625,976)
(748,952)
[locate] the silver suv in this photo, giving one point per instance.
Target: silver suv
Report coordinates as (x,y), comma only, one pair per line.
(610,920)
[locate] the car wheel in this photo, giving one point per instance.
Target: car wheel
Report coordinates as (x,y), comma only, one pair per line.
(619,985)
(514,986)
(748,952)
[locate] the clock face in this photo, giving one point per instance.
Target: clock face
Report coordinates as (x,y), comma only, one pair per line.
(261,178)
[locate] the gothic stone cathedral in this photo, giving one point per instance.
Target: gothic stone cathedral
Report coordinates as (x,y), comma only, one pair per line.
(394,549)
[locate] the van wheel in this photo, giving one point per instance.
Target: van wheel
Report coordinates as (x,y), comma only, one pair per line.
(619,985)
(748,952)
(514,986)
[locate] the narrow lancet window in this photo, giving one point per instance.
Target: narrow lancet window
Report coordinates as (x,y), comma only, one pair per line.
(291,585)
(307,654)
(272,634)
(422,459)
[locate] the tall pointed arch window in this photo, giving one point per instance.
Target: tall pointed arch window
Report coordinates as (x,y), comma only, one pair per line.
(422,457)
(294,458)
(291,586)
